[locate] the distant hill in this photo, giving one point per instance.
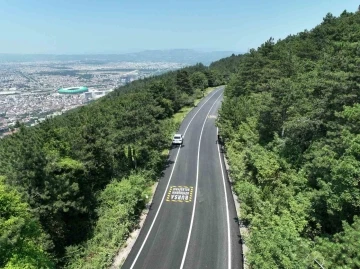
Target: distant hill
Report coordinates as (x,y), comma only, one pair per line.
(185,56)
(177,55)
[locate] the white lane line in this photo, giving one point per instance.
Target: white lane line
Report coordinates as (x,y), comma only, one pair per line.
(199,110)
(227,206)
(196,188)
(167,187)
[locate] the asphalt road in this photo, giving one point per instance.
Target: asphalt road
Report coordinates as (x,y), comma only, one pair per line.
(192,222)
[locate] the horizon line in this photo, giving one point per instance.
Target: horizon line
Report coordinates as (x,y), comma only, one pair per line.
(119,53)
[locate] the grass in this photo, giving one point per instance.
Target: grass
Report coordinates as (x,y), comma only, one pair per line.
(179,116)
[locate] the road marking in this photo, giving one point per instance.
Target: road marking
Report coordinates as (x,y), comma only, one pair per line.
(180,194)
(227,205)
(167,186)
(198,111)
(196,188)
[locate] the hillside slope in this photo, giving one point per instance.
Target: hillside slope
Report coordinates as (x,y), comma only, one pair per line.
(85,174)
(290,121)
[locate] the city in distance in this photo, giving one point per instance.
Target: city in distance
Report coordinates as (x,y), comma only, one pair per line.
(183,56)
(30,83)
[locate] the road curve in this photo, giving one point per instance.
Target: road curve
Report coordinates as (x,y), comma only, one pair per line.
(192,222)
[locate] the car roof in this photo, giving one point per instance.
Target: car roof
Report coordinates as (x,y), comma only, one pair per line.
(177,134)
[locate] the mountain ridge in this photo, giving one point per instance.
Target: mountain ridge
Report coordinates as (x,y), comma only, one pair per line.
(185,56)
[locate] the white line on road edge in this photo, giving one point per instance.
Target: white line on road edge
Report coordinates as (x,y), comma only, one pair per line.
(198,111)
(167,186)
(227,205)
(196,188)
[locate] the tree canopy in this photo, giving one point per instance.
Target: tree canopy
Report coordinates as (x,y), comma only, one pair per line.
(61,170)
(290,121)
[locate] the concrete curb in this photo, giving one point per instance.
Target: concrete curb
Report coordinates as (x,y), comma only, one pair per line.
(244,232)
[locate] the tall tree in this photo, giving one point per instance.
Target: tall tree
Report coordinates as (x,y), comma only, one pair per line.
(199,80)
(183,82)
(22,242)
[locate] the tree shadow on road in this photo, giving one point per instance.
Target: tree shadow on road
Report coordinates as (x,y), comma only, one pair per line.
(168,163)
(240,239)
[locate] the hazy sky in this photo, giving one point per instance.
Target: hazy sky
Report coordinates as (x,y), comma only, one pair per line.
(115,26)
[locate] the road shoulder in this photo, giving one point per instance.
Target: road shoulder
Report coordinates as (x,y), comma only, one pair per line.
(244,231)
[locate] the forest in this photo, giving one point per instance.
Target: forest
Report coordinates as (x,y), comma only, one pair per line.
(72,187)
(291,120)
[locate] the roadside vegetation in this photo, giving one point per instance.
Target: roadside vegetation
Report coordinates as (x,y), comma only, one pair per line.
(291,124)
(73,187)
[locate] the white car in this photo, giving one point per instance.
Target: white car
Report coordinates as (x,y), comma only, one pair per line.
(177,140)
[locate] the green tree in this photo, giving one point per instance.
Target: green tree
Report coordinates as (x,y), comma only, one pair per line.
(341,250)
(290,119)
(212,78)
(183,82)
(199,80)
(22,242)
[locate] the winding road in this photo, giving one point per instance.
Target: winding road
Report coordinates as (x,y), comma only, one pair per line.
(192,223)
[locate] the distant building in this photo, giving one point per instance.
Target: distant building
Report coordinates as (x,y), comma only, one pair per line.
(88,96)
(98,94)
(73,90)
(95,94)
(8,92)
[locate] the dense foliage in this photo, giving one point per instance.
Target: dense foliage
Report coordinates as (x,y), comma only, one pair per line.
(290,121)
(72,188)
(22,242)
(119,205)
(67,172)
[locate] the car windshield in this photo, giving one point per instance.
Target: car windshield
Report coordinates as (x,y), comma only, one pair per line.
(177,136)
